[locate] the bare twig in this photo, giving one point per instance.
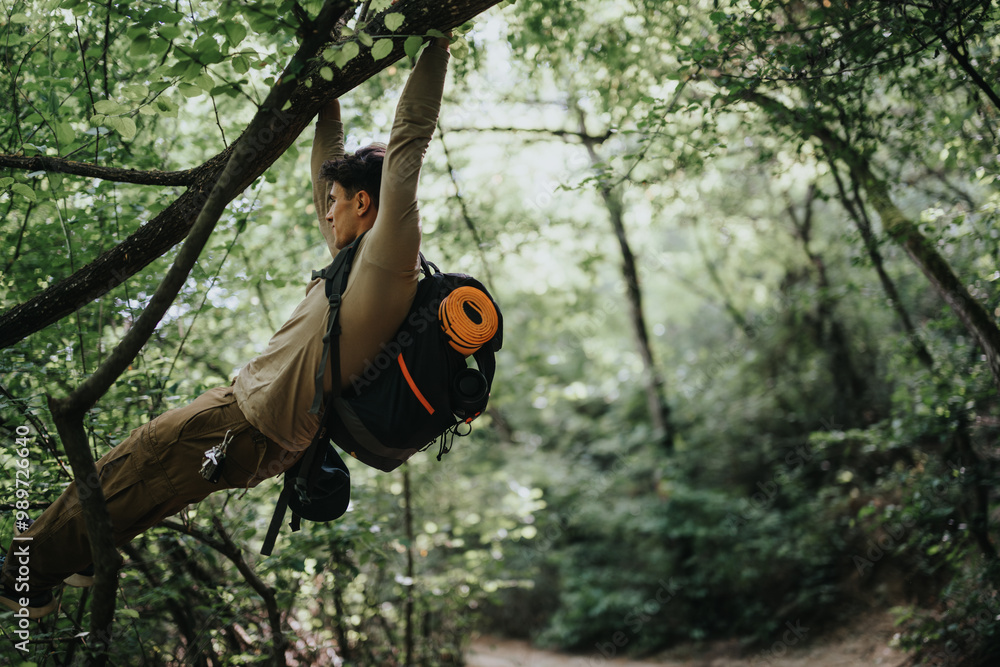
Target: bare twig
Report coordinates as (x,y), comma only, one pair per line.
(465,209)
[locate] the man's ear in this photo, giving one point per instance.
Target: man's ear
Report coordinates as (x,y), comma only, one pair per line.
(363,203)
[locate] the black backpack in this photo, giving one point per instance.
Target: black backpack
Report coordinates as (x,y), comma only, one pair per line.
(418,390)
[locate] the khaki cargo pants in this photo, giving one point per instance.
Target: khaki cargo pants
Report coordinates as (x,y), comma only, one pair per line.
(152,474)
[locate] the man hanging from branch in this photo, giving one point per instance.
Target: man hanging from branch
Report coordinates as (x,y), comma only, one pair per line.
(264,416)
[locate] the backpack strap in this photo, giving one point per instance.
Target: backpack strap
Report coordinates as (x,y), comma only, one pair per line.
(335,275)
(280,508)
(426,266)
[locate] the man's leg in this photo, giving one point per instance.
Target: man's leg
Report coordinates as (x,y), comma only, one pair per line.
(153,474)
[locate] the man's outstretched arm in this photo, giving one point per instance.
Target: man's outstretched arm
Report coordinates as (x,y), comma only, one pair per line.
(395,237)
(328,144)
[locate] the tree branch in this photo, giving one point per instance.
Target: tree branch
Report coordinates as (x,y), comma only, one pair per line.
(63,166)
(173,223)
(562,134)
(855,207)
(965,63)
(463,207)
(654,383)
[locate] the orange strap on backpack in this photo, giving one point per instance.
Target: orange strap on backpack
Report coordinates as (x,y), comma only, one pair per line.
(469,319)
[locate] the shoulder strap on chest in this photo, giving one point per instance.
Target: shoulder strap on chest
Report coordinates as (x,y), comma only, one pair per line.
(335,278)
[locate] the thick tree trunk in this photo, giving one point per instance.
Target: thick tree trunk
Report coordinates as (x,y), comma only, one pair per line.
(259,146)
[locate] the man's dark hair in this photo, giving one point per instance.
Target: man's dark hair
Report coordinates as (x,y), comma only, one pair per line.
(361,170)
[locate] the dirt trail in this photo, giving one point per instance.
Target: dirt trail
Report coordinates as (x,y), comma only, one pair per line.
(864,643)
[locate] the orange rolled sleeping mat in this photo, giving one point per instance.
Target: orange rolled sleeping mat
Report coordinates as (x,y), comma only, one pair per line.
(469,319)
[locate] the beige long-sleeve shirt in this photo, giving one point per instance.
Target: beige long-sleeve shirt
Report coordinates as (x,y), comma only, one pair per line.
(276,389)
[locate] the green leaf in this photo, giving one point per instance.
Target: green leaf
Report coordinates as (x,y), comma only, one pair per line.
(25,191)
(55,181)
(126,127)
(5,181)
(169,32)
(165,107)
(228,89)
(434,32)
(109,107)
(189,89)
(346,54)
(128,613)
(20,18)
(65,133)
(235,32)
(460,48)
(136,91)
(205,81)
(412,45)
(393,21)
(366,39)
(192,71)
(241,64)
(382,48)
(139,46)
(326,73)
(207,49)
(261,21)
(159,46)
(177,68)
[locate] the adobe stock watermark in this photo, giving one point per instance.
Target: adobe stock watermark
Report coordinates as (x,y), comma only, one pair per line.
(415,324)
(768,490)
(793,634)
(890,537)
(19,567)
(634,622)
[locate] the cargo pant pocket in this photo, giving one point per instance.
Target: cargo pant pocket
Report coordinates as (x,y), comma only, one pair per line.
(243,459)
(172,453)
